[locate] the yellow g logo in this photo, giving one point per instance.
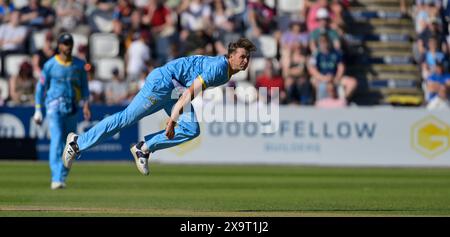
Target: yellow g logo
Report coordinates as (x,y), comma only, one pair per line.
(430,137)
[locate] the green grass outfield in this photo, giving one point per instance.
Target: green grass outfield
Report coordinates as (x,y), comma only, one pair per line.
(117,189)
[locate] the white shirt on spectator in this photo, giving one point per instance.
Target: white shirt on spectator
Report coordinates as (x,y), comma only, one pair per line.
(69,22)
(96,86)
(437,103)
(9,32)
(194,17)
(138,53)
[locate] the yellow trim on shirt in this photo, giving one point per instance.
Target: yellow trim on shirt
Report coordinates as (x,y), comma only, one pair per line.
(203,82)
(60,61)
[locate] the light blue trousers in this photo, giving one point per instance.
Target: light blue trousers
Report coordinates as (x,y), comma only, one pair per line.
(60,127)
(154,96)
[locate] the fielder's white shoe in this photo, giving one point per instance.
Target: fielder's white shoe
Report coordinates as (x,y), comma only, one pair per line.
(140,158)
(57,185)
(71,150)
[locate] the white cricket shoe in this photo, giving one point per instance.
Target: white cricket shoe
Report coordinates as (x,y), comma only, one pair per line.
(57,185)
(71,150)
(140,158)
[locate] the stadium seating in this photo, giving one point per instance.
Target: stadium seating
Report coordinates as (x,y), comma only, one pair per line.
(13,61)
(270,3)
(380,43)
(104,25)
(268,46)
(78,40)
(106,65)
(20,3)
(4,89)
(104,45)
(289,6)
(38,39)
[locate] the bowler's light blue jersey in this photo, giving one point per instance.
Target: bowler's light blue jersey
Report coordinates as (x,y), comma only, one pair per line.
(213,71)
(62,81)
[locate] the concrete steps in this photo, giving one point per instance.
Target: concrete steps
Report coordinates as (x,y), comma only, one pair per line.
(380,45)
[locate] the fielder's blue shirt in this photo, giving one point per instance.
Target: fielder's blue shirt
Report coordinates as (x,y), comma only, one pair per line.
(60,80)
(213,71)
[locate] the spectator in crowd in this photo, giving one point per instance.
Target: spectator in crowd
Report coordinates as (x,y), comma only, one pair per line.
(174,51)
(220,17)
(12,34)
(337,8)
(42,55)
(446,16)
(223,26)
(36,16)
(136,86)
(260,19)
(296,34)
(144,73)
(425,11)
(326,66)
(235,9)
(270,79)
(323,19)
(2,97)
(6,7)
(313,10)
(96,87)
(197,17)
(433,29)
(12,37)
(196,24)
(198,42)
(297,85)
(441,101)
(159,17)
(122,17)
(82,52)
(22,85)
(70,16)
(162,30)
(437,81)
(137,55)
(136,26)
(101,17)
(403,9)
(332,100)
(116,92)
(432,56)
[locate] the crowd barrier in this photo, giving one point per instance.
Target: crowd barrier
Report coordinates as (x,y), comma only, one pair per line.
(360,136)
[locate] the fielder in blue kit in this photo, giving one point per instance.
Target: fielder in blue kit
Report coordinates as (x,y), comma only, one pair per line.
(193,72)
(62,85)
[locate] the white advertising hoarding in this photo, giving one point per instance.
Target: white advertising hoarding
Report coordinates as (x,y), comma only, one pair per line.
(371,136)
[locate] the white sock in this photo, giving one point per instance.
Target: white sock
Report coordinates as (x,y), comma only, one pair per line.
(144,148)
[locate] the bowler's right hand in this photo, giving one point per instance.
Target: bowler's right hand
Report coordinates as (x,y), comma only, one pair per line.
(37,117)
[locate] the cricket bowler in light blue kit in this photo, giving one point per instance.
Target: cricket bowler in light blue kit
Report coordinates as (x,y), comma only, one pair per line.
(193,72)
(62,84)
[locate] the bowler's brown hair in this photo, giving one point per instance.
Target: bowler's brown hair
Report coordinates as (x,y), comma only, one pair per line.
(241,43)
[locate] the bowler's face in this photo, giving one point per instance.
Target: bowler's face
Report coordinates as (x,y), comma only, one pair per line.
(239,59)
